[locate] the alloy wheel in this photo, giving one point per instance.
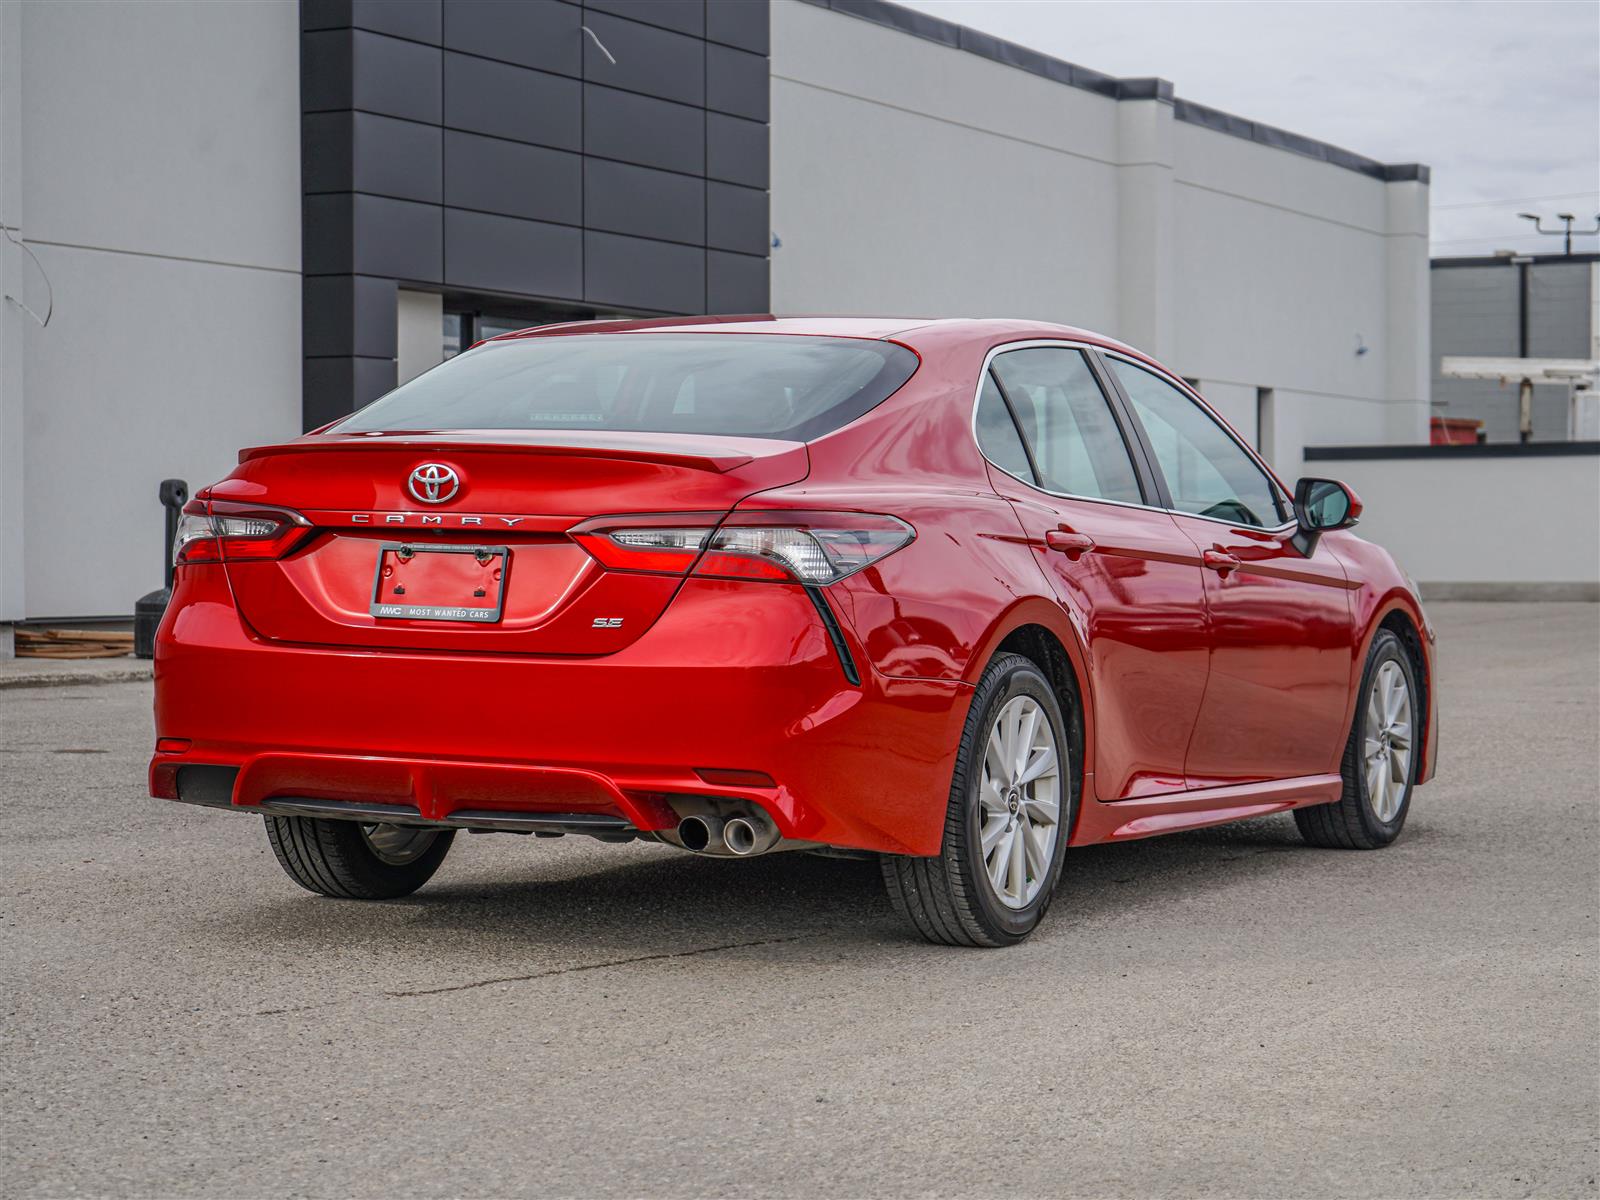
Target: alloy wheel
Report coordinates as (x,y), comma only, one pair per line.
(1019,801)
(397,845)
(1386,751)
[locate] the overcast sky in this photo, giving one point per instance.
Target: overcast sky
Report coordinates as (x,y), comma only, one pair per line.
(1502,100)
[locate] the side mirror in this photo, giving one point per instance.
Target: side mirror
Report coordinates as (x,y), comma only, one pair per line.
(1321,505)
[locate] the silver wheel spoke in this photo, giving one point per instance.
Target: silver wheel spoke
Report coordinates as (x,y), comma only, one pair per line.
(992,829)
(1001,859)
(1398,768)
(1017,874)
(992,794)
(994,759)
(1042,812)
(1041,764)
(1034,840)
(1027,730)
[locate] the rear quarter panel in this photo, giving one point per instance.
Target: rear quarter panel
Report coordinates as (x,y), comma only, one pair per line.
(940,607)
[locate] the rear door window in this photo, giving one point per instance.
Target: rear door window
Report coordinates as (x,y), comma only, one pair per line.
(997,433)
(1077,445)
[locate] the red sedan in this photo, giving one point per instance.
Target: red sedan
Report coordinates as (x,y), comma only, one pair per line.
(960,594)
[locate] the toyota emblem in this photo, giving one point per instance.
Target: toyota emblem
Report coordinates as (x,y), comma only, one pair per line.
(433,483)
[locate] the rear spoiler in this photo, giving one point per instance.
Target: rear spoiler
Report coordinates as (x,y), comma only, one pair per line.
(696,453)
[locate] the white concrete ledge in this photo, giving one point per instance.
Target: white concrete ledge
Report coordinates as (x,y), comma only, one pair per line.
(44,672)
(1520,590)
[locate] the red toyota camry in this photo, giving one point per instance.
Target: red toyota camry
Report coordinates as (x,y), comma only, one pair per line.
(960,594)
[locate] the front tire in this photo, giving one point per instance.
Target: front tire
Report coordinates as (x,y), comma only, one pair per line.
(1380,759)
(1010,812)
(352,861)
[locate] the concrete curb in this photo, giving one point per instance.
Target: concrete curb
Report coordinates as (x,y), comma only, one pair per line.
(72,678)
(1526,590)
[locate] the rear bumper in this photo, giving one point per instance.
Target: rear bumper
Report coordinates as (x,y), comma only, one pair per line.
(732,677)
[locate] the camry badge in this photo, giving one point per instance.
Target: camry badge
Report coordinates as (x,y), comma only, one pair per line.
(433,483)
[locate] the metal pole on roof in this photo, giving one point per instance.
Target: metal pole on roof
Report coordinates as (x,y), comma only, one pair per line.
(1566,232)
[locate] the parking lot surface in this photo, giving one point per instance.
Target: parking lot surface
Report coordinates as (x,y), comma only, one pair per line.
(1226,1012)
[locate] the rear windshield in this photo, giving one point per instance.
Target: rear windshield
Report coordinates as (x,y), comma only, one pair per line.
(748,385)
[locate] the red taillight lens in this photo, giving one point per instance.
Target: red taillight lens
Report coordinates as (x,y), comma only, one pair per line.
(225,531)
(787,547)
(663,544)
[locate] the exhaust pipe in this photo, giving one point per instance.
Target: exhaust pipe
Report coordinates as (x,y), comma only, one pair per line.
(700,833)
(750,834)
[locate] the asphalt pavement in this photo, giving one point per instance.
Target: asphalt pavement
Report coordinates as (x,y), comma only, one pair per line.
(1220,1013)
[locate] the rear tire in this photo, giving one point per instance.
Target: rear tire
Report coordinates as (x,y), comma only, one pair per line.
(1368,816)
(999,804)
(351,861)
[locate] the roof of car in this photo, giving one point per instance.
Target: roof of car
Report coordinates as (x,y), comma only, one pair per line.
(896,328)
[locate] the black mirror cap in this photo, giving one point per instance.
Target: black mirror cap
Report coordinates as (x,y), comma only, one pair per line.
(1321,505)
(1324,504)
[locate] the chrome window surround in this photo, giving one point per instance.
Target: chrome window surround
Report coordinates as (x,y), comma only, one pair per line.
(1089,348)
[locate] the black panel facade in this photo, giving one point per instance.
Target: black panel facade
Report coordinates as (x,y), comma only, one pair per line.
(494,153)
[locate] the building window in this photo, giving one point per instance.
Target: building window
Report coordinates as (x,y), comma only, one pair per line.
(465,325)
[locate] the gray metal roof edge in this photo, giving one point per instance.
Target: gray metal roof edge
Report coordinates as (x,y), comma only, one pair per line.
(1448,261)
(960,37)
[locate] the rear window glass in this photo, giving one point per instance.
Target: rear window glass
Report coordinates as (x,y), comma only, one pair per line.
(748,385)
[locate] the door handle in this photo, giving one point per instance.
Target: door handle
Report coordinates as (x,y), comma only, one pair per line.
(1219,561)
(1073,545)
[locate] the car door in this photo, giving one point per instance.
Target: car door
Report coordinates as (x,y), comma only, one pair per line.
(1129,579)
(1282,633)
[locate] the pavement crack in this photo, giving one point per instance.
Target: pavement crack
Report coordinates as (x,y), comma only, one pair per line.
(600,966)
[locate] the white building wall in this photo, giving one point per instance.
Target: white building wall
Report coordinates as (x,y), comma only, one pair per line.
(155,172)
(912,177)
(13,293)
(1482,527)
(419,318)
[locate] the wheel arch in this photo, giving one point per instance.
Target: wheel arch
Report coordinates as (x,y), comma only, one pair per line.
(1040,632)
(1399,613)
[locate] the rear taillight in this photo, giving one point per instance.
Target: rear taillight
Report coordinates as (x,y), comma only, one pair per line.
(788,547)
(221,531)
(647,541)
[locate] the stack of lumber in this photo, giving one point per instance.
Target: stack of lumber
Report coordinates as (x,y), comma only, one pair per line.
(73,643)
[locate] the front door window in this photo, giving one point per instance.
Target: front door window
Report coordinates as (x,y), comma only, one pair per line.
(1208,473)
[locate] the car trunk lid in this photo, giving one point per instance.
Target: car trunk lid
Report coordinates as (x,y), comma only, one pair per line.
(436,500)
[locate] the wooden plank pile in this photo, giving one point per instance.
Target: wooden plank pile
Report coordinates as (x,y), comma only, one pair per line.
(73,643)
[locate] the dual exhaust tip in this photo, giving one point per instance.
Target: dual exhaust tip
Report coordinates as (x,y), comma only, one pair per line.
(741,836)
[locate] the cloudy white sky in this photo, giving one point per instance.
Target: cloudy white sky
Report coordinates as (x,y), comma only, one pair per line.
(1501,99)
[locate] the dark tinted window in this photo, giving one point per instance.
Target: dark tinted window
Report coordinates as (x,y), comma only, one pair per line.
(744,384)
(1207,472)
(1068,423)
(997,433)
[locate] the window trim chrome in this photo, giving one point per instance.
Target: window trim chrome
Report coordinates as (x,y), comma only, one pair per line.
(1088,348)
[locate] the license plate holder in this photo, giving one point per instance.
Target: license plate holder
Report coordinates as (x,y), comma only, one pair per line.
(439,583)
